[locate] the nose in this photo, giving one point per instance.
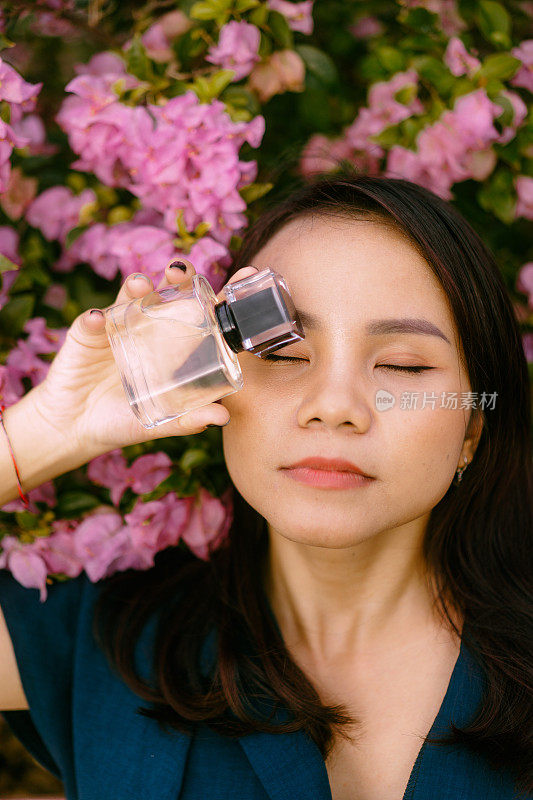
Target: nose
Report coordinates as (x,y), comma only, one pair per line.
(335,398)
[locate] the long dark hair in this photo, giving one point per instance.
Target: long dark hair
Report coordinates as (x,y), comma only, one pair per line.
(477,544)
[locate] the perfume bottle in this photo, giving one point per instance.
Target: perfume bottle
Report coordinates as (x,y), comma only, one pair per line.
(176,348)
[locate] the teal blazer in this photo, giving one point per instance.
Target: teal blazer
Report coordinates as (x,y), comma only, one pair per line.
(82,723)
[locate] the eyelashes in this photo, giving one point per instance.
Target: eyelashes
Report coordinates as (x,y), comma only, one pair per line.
(415,370)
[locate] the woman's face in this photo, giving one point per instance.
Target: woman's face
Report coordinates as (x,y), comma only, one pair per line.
(348,274)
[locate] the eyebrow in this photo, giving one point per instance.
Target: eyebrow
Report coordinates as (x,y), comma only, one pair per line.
(384,327)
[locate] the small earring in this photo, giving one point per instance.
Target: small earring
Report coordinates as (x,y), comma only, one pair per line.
(460,470)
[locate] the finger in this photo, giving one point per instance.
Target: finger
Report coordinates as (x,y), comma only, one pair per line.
(135,285)
(177,271)
(244,272)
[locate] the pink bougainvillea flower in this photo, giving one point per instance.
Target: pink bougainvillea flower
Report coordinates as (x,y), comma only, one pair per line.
(59,550)
(8,140)
(45,493)
(11,388)
(524,281)
(9,242)
(458,59)
(473,115)
(105,63)
(524,192)
(366,27)
(208,525)
(519,115)
(19,94)
(140,248)
(56,211)
(152,527)
(43,339)
(100,539)
(283,71)
(110,470)
(19,193)
(55,296)
(527,341)
(31,128)
(237,48)
(23,360)
(298,15)
(524,76)
(25,563)
(145,473)
(93,247)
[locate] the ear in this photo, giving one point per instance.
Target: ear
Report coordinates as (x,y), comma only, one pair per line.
(474,430)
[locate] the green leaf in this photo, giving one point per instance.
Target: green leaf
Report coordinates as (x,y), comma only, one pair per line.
(195,457)
(259,16)
(499,65)
(6,264)
(207,89)
(421,20)
(137,62)
(73,234)
(22,282)
(242,6)
(26,520)
(218,10)
(279,28)
(507,116)
(495,23)
(74,502)
(406,95)
(387,137)
(498,195)
(254,191)
(240,98)
(318,63)
(392,59)
(16,312)
(435,72)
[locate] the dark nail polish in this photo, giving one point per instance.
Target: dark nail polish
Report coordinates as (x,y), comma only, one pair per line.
(96,311)
(179,265)
(211,425)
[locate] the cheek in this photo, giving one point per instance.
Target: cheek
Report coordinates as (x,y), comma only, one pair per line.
(425,445)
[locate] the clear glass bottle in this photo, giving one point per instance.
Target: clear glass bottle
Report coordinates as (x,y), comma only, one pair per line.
(176,348)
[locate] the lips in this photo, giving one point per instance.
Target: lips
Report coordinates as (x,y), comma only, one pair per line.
(328,464)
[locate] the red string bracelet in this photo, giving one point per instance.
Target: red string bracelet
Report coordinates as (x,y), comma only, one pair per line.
(23,497)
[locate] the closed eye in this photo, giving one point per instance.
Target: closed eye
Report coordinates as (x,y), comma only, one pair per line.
(272,357)
(412,369)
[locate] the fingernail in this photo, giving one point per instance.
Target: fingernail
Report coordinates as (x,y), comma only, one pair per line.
(178,265)
(96,311)
(138,275)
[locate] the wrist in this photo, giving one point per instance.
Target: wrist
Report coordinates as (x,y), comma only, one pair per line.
(41,451)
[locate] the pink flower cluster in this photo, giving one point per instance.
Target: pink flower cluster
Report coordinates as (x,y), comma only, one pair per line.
(298,15)
(23,360)
(9,242)
(20,97)
(384,110)
(182,155)
(524,76)
(450,20)
(237,48)
(104,542)
(458,146)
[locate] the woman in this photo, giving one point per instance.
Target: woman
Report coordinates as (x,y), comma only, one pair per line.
(362,611)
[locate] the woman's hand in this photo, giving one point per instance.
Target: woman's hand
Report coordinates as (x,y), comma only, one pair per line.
(82,396)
